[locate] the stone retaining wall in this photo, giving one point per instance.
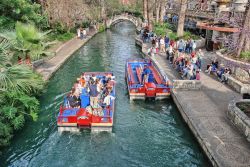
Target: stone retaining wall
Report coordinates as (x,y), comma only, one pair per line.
(239,69)
(187,84)
(239,118)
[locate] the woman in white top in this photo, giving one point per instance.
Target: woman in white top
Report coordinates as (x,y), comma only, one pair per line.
(162,45)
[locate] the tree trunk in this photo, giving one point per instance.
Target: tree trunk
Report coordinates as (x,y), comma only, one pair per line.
(163,11)
(103,13)
(145,9)
(157,10)
(181,20)
(244,33)
(150,13)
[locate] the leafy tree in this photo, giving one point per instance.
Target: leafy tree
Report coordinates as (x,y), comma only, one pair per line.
(22,10)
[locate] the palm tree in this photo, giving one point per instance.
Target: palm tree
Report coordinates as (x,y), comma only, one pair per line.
(19,78)
(17,84)
(27,40)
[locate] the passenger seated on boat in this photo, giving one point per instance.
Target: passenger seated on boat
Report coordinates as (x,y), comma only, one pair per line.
(73,99)
(145,74)
(99,85)
(107,100)
(82,81)
(93,93)
(78,87)
(86,78)
(93,77)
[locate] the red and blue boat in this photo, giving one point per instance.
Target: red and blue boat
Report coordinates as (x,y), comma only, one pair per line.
(156,86)
(84,116)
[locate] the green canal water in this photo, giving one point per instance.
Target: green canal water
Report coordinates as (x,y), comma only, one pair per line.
(144,134)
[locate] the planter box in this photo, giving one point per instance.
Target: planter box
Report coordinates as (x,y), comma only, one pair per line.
(238,86)
(239,118)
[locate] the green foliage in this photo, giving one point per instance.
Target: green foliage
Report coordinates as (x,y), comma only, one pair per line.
(245,55)
(18,85)
(6,23)
(101,28)
(60,28)
(6,133)
(173,36)
(61,37)
(162,29)
(27,40)
(24,11)
(85,24)
(188,35)
(166,28)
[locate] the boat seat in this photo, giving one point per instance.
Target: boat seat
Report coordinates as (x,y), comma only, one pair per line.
(156,75)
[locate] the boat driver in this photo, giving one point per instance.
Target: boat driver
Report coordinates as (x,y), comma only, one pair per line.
(145,74)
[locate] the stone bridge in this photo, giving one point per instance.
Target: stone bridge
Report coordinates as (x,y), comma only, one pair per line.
(124,17)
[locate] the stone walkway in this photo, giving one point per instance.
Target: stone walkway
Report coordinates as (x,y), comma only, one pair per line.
(205,112)
(62,54)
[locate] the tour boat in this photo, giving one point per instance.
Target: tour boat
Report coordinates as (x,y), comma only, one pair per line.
(85,116)
(157,86)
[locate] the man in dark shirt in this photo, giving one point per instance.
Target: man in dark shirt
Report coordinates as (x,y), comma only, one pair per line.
(145,74)
(93,93)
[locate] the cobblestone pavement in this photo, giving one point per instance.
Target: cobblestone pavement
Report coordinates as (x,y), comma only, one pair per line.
(64,52)
(205,112)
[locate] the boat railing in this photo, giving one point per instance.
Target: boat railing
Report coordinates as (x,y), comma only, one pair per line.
(96,73)
(138,59)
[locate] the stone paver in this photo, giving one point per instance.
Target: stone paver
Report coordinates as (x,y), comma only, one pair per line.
(205,112)
(66,50)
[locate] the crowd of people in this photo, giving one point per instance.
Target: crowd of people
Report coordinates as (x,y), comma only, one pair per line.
(98,89)
(182,54)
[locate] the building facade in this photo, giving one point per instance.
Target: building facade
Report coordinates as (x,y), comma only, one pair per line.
(217,19)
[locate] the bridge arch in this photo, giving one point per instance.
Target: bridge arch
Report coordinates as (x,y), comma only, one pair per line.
(118,18)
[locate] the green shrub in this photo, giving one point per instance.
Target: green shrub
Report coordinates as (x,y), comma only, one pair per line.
(173,36)
(101,28)
(6,23)
(188,35)
(61,37)
(59,28)
(85,24)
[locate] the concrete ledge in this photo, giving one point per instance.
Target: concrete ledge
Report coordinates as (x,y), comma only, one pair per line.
(187,84)
(231,62)
(239,118)
(238,86)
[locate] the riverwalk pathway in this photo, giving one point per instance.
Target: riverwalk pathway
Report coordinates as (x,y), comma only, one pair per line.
(205,112)
(50,66)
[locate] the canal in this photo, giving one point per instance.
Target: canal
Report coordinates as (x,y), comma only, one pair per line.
(144,134)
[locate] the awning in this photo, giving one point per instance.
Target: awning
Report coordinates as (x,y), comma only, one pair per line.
(216,28)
